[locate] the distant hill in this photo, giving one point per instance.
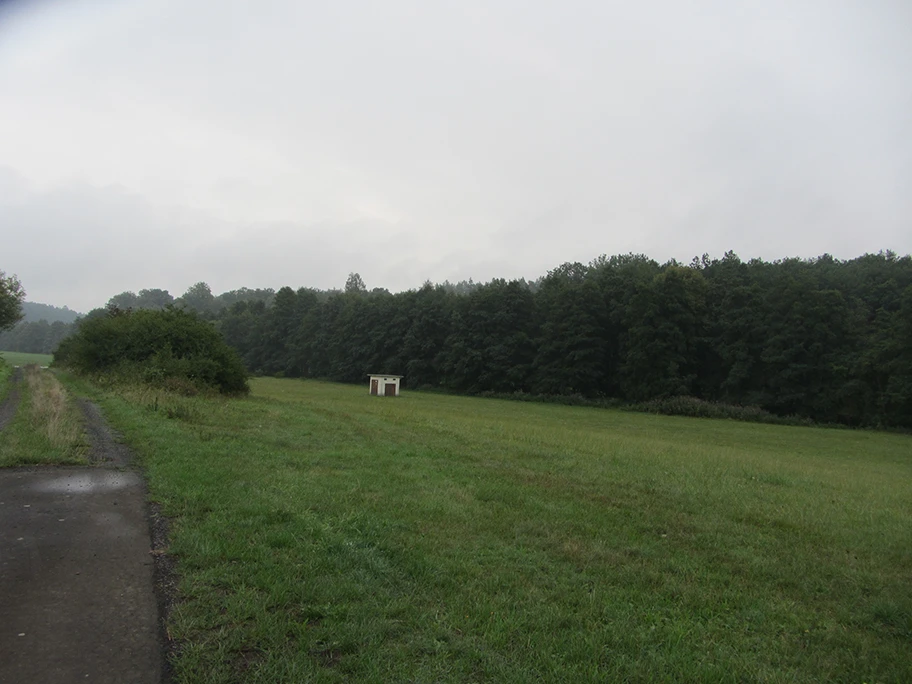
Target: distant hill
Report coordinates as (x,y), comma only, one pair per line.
(35,312)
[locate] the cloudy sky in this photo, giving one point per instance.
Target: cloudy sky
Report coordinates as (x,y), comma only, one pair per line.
(156,143)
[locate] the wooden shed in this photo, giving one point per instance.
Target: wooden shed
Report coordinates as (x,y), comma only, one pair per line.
(385,385)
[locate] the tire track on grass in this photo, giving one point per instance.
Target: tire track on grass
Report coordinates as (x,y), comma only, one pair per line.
(10,404)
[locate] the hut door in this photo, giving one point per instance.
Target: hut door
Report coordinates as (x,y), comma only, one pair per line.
(389,389)
(374,386)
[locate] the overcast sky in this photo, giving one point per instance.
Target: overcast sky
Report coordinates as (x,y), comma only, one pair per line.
(156,143)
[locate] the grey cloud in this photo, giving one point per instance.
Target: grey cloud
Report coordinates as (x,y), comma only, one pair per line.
(293,144)
(78,245)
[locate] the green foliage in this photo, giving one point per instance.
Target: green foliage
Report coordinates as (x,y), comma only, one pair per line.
(698,408)
(491,346)
(572,349)
(41,329)
(35,337)
(355,284)
(157,299)
(11,297)
(821,339)
(666,325)
(199,298)
(33,311)
(429,314)
(161,347)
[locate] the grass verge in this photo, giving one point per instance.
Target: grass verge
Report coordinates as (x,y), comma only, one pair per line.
(324,535)
(47,427)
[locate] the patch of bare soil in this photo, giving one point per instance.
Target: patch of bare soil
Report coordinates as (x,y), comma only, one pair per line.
(105,443)
(9,405)
(107,448)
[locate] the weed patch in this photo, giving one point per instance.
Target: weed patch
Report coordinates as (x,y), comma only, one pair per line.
(48,427)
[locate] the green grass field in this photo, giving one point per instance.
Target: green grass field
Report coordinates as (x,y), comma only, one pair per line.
(325,535)
(23,359)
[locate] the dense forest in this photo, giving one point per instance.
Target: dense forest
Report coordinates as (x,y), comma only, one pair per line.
(33,312)
(822,338)
(41,329)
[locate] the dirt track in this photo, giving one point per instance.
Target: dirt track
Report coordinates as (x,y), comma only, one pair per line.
(78,567)
(9,405)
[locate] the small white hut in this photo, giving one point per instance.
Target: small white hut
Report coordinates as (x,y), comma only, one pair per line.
(385,385)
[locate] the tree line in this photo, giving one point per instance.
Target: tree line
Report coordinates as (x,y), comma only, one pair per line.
(43,327)
(821,338)
(33,327)
(36,337)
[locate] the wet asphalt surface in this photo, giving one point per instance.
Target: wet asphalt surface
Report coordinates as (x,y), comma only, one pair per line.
(76,572)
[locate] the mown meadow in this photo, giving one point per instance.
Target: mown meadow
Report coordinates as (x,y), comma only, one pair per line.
(24,359)
(325,535)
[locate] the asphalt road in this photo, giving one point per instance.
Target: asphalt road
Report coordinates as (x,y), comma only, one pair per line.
(76,573)
(76,598)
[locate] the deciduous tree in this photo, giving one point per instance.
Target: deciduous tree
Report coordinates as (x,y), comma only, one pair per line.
(11,298)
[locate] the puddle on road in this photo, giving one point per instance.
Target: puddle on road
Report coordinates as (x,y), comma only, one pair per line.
(86,483)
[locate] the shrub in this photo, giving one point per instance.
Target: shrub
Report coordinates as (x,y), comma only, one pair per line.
(565,399)
(166,348)
(698,408)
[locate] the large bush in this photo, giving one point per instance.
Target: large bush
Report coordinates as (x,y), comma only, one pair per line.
(170,347)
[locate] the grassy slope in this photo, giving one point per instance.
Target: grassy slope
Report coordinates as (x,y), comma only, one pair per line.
(23,359)
(325,535)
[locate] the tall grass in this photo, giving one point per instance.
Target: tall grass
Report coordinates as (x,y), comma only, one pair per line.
(52,411)
(325,535)
(48,427)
